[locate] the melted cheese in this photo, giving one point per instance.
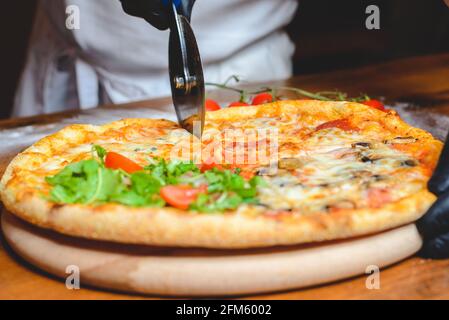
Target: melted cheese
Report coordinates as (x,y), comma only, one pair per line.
(332,169)
(335,173)
(335,169)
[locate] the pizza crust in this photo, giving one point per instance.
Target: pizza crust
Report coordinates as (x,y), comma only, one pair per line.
(173,227)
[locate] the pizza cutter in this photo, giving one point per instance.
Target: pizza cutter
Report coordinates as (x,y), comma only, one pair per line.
(186,71)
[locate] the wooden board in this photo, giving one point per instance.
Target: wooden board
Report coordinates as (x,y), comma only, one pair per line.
(198,272)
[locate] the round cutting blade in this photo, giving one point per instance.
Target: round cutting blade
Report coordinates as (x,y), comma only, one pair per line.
(186,75)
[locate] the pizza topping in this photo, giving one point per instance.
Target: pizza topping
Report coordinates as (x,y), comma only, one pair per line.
(409,163)
(238,104)
(247,174)
(376,104)
(82,182)
(370,157)
(401,140)
(89,182)
(341,205)
(330,178)
(361,145)
(267,171)
(181,196)
(115,160)
(175,183)
(290,163)
(227,191)
(209,165)
(343,124)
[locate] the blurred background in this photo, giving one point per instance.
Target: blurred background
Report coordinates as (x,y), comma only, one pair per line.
(329,35)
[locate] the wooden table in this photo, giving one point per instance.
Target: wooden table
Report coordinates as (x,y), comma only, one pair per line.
(422,80)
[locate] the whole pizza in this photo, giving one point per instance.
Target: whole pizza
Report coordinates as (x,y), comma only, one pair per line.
(287,172)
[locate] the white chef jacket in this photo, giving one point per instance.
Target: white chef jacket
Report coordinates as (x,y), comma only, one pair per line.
(116,58)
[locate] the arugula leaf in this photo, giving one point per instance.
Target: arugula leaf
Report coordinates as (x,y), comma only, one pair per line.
(227,190)
(74,182)
(143,183)
(84,182)
(107,182)
(168,173)
(207,204)
(258,181)
(143,191)
(90,182)
(133,199)
(100,151)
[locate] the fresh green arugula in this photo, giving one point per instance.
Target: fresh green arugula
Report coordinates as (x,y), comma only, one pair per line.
(226,190)
(172,172)
(90,182)
(100,152)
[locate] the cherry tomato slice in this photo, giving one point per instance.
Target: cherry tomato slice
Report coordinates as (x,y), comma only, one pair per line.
(238,104)
(181,196)
(262,98)
(376,104)
(212,105)
(342,124)
(117,161)
(206,166)
(247,175)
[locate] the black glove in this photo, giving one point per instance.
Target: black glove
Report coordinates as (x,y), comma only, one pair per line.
(155,12)
(434,225)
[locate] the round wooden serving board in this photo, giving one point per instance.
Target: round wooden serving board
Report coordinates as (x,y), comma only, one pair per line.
(199,272)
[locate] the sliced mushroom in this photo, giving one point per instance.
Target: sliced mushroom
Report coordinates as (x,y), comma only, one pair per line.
(401,140)
(370,157)
(378,177)
(409,163)
(342,204)
(361,145)
(271,171)
(365,159)
(290,163)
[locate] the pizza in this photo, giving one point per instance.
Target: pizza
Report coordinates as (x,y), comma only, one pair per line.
(282,173)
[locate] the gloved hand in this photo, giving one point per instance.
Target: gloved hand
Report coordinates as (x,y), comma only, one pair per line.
(434,225)
(155,12)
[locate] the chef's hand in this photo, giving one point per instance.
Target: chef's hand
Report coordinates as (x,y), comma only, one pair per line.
(155,12)
(434,225)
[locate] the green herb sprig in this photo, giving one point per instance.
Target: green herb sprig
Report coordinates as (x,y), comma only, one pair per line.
(275,92)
